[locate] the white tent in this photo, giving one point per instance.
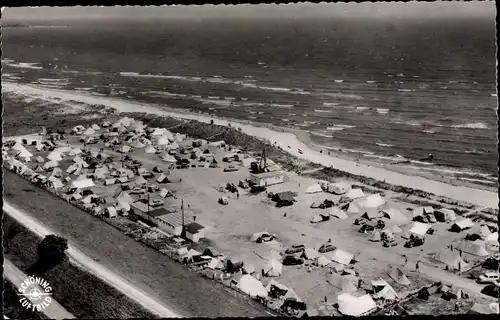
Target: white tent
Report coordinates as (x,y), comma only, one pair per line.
(273,268)
(476,248)
(39,147)
(111,211)
(251,286)
(95,127)
(163,141)
(150,149)
(123,196)
(310,254)
(341,256)
(422,210)
(452,259)
(54,155)
(419,229)
(396,217)
(123,206)
(125,149)
(89,132)
(322,261)
(137,144)
(162,178)
(140,181)
(56,184)
(315,188)
(355,306)
(158,132)
(215,264)
(399,277)
(338,213)
(353,208)
(341,282)
(492,237)
(463,224)
(40,159)
(80,184)
(372,201)
(168,158)
(387,293)
(50,164)
(354,194)
(109,182)
(164,193)
(443,215)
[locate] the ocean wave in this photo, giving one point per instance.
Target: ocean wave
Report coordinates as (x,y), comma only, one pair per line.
(493,94)
(52,80)
(275,89)
(477,125)
(278,105)
(339,81)
(382,111)
(429,131)
(320,134)
(330,104)
(339,127)
(322,111)
(362,108)
(25,65)
(383,144)
(370,81)
(406,90)
(129,74)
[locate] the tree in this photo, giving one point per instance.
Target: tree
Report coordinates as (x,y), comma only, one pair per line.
(51,251)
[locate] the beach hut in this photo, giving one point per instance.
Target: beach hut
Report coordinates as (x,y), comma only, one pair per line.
(273,268)
(315,188)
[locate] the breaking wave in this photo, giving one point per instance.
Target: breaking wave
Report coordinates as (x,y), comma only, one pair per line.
(477,125)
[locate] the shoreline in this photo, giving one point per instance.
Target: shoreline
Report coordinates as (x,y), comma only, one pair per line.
(283,138)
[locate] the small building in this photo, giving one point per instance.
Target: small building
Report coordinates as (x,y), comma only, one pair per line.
(194,231)
(267,178)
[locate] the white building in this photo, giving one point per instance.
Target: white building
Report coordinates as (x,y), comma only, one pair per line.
(268,178)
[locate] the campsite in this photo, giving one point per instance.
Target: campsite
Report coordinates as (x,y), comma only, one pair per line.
(349,238)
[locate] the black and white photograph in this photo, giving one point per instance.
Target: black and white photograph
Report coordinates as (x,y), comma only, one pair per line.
(250,160)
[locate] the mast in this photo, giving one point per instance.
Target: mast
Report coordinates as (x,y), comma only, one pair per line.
(182,210)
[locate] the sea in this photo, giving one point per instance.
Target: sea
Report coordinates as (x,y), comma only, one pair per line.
(399,89)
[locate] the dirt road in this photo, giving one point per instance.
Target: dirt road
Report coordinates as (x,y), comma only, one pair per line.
(53,311)
(93,267)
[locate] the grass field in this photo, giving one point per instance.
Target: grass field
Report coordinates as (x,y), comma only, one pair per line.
(146,268)
(80,293)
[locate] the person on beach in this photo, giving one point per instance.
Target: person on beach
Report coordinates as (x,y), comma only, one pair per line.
(451,247)
(417,266)
(284,214)
(406,259)
(457,306)
(237,195)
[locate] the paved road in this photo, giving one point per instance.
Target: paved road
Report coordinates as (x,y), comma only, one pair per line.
(93,267)
(53,311)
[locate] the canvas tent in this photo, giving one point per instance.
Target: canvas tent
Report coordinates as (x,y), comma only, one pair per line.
(479,308)
(338,213)
(342,283)
(273,268)
(353,208)
(257,235)
(452,259)
(399,277)
(354,194)
(315,188)
(371,213)
(215,264)
(419,229)
(251,286)
(162,179)
(341,256)
(81,184)
(474,247)
(395,216)
(387,293)
(375,236)
(419,211)
(492,237)
(355,306)
(445,215)
(55,156)
(40,159)
(123,196)
(140,181)
(168,158)
(322,261)
(372,201)
(462,224)
(150,149)
(310,254)
(164,193)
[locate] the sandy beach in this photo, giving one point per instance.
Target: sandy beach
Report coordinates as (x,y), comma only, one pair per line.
(288,141)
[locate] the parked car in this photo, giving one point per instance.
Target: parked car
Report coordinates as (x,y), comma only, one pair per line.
(156,203)
(327,247)
(488,277)
(296,248)
(292,260)
(242,184)
(366,228)
(415,242)
(390,243)
(284,203)
(257,189)
(223,201)
(157,170)
(265,238)
(148,175)
(137,190)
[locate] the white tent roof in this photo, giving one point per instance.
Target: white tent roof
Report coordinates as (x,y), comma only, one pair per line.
(474,247)
(54,155)
(341,282)
(323,261)
(80,184)
(451,258)
(399,277)
(161,178)
(150,149)
(168,158)
(464,223)
(252,286)
(215,264)
(50,164)
(372,201)
(158,132)
(355,306)
(140,180)
(387,293)
(163,193)
(123,196)
(396,217)
(492,237)
(353,208)
(88,132)
(422,210)
(337,212)
(95,127)
(341,256)
(273,268)
(57,184)
(314,188)
(354,194)
(311,254)
(419,228)
(39,159)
